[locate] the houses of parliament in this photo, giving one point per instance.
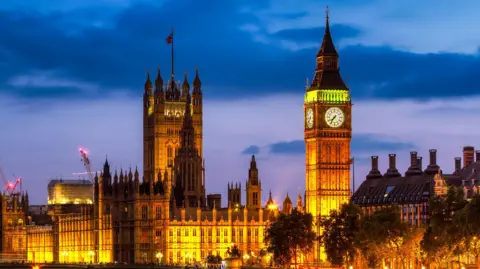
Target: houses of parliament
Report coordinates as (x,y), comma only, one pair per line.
(166,216)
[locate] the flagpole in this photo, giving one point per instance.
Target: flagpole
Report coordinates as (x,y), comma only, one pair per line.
(173,40)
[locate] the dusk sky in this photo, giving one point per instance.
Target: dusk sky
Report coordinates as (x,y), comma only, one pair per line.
(72,75)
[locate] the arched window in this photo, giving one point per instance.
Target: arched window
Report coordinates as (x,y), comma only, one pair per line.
(20,222)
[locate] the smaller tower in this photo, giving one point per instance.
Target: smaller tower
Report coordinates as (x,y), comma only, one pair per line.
(234,194)
(287,205)
(299,202)
(254,186)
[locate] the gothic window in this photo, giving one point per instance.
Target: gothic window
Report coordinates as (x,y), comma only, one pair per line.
(194,232)
(10,222)
(255,198)
(158,212)
(20,243)
(169,152)
(9,243)
(107,209)
(20,222)
(144,212)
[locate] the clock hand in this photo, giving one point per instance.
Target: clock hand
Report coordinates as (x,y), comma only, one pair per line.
(333,118)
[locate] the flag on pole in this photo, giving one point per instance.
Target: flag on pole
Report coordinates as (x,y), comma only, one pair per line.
(169,39)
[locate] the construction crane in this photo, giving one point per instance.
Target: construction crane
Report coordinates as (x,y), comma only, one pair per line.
(86,162)
(10,186)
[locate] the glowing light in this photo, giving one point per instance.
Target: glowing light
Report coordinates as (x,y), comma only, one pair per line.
(272,206)
(351,267)
(327,96)
(159,255)
(246,256)
(35,267)
(83,151)
(10,185)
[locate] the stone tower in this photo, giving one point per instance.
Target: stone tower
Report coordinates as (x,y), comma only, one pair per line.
(328,132)
(254,187)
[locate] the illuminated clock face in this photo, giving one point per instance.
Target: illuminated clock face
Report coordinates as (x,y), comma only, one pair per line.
(309,118)
(334,117)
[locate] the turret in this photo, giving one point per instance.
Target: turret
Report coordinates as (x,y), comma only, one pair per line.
(287,205)
(185,88)
(197,94)
(159,93)
(254,186)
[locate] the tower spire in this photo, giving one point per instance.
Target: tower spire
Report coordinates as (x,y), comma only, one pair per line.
(148,84)
(327,72)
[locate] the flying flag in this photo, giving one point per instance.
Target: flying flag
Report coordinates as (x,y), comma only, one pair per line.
(169,39)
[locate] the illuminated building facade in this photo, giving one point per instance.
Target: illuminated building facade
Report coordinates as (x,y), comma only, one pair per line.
(14,216)
(328,132)
(62,191)
(412,190)
(165,216)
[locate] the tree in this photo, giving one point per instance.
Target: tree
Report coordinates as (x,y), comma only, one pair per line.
(214,259)
(234,252)
(340,234)
(290,235)
(467,221)
(442,240)
(381,236)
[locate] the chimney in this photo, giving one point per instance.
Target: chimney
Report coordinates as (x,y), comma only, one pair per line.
(433,157)
(458,163)
(374,162)
(374,173)
(419,161)
(391,161)
(468,153)
(413,158)
(392,169)
(414,169)
(477,153)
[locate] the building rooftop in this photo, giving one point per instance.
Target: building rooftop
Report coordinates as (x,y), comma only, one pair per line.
(417,184)
(54,182)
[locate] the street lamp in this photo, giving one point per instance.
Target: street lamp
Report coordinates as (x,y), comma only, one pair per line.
(159,256)
(91,254)
(65,255)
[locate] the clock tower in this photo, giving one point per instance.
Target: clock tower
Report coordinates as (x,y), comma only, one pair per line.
(328,132)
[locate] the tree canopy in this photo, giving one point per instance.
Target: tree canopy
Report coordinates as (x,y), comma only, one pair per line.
(290,235)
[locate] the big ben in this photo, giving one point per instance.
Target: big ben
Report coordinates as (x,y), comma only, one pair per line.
(328,133)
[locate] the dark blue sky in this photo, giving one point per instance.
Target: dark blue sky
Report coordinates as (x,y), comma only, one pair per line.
(72,74)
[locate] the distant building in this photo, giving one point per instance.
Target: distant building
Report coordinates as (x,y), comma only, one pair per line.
(70,191)
(412,190)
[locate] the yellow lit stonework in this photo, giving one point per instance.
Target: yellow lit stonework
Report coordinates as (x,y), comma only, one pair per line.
(328,159)
(133,220)
(328,95)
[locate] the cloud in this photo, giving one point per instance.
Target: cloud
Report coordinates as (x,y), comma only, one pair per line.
(114,53)
(314,35)
(107,123)
(387,22)
(361,144)
(251,150)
